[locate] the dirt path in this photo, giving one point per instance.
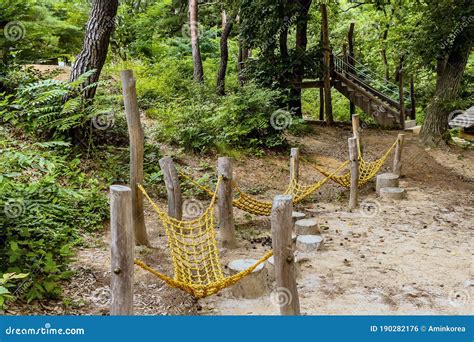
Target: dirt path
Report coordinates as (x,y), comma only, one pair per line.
(409,257)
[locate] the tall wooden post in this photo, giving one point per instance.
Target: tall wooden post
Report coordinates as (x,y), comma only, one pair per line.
(350,40)
(397,159)
(224,202)
(412,98)
(354,160)
(284,260)
(122,243)
(327,65)
(295,164)
(136,137)
(356,130)
(173,188)
(401,95)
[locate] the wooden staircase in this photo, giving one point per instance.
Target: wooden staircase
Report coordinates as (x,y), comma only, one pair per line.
(383,108)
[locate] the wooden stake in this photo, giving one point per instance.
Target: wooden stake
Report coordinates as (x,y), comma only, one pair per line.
(224,203)
(122,243)
(354,159)
(136,136)
(285,271)
(173,189)
(350,39)
(327,65)
(397,159)
(356,130)
(295,164)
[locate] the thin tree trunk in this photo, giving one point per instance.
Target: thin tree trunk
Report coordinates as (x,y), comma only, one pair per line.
(224,56)
(96,42)
(198,73)
(450,71)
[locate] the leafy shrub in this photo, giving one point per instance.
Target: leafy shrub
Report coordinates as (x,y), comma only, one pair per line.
(45,202)
(206,121)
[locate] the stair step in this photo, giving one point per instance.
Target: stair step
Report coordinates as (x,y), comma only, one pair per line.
(410,123)
(415,130)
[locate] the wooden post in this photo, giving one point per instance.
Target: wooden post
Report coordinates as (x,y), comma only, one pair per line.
(401,95)
(397,159)
(356,130)
(413,98)
(353,157)
(285,271)
(173,189)
(350,39)
(224,203)
(295,164)
(327,65)
(346,58)
(122,243)
(136,137)
(321,104)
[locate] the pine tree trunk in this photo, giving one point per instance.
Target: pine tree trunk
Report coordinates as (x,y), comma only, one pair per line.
(96,42)
(224,56)
(450,71)
(198,73)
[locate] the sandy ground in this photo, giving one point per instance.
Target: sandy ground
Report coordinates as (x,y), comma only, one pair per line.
(414,256)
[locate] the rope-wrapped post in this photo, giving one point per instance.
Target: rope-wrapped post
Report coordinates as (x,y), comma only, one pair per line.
(136,137)
(284,260)
(295,164)
(224,203)
(397,159)
(354,160)
(356,130)
(173,189)
(122,242)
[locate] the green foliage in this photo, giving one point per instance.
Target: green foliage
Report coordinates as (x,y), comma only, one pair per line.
(46,201)
(206,121)
(6,283)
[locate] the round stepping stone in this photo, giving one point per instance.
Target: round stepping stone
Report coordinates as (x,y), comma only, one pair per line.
(385,180)
(308,243)
(307,227)
(251,286)
(298,216)
(392,193)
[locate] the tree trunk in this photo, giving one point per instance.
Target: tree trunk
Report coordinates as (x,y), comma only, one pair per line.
(299,60)
(198,73)
(224,56)
(450,71)
(96,42)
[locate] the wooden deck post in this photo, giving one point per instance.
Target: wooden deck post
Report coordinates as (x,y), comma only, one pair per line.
(412,98)
(136,137)
(224,203)
(284,261)
(173,189)
(401,95)
(397,159)
(295,164)
(122,243)
(350,40)
(327,65)
(354,160)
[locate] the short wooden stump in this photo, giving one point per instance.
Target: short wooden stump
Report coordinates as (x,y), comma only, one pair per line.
(385,180)
(307,227)
(309,243)
(392,193)
(251,286)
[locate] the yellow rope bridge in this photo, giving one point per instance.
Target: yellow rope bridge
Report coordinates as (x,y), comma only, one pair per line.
(367,170)
(196,263)
(255,206)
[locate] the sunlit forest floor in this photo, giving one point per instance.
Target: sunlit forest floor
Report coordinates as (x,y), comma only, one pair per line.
(408,257)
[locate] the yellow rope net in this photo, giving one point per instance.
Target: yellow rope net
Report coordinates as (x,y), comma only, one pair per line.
(255,206)
(367,170)
(196,263)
